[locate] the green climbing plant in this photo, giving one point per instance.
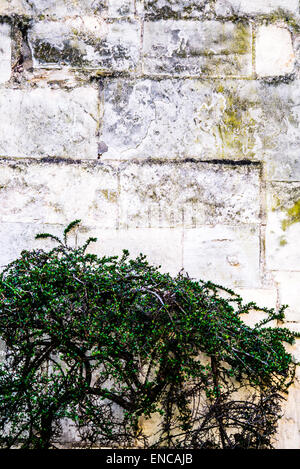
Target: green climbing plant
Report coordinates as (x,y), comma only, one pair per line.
(104,344)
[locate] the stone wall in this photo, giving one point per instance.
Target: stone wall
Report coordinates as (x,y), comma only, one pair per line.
(169,127)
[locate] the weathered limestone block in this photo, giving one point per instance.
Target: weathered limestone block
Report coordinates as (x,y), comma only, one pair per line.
(17,237)
(5,53)
(236,120)
(86,43)
(264,298)
(224,254)
(192,48)
(188,118)
(117,8)
(283,226)
(57,193)
(45,122)
(296,45)
(163,247)
(274,51)
(65,8)
(147,196)
(182,118)
(10,7)
(253,7)
(2,351)
(165,9)
(151,426)
(154,195)
(279,130)
(288,284)
(288,434)
(55,78)
(69,436)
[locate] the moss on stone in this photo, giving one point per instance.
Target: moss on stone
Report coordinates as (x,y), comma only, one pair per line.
(242,43)
(293,216)
(281,16)
(282,242)
(276,203)
(153,11)
(49,53)
(236,127)
(278,80)
(110,196)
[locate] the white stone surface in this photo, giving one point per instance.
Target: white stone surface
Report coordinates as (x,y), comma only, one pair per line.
(155,9)
(5,53)
(283,226)
(2,351)
(86,42)
(182,119)
(45,122)
(57,193)
(274,51)
(279,121)
(288,285)
(163,247)
(184,194)
(263,297)
(10,7)
(165,9)
(228,255)
(191,48)
(288,434)
(253,7)
(71,7)
(17,237)
(66,8)
(232,119)
(118,8)
(133,195)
